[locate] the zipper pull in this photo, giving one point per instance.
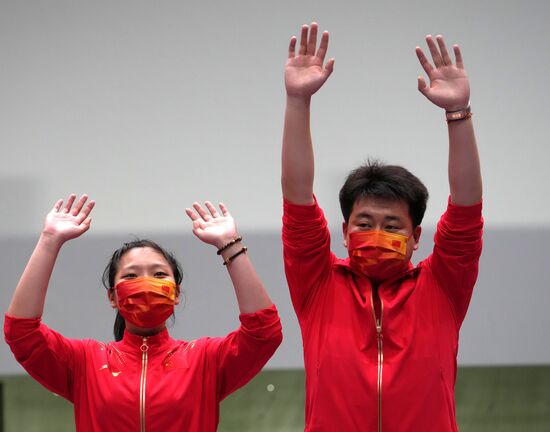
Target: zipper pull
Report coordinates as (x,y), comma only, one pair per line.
(379,329)
(144,347)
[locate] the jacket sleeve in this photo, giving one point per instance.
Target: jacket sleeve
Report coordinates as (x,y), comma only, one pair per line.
(45,354)
(306,252)
(457,249)
(243,353)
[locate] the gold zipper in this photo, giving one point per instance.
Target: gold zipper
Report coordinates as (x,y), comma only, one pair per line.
(144,348)
(378,323)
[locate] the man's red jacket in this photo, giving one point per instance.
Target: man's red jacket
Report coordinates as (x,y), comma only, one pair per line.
(398,376)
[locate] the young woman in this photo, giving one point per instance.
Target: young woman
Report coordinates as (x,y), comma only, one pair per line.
(144,381)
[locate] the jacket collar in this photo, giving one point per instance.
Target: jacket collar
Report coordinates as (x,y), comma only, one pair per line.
(391,283)
(132,342)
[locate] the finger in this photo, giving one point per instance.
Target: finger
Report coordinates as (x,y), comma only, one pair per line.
(211,209)
(86,211)
(192,215)
(329,67)
(303,40)
(69,204)
(436,56)
(202,212)
(292,47)
(312,41)
(224,209)
(443,49)
(422,87)
(424,62)
(57,205)
(323,46)
(76,209)
(458,57)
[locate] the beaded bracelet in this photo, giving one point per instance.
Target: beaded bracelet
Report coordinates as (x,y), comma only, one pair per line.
(232,257)
(231,243)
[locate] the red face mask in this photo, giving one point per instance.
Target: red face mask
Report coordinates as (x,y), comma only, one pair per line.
(145,301)
(378,254)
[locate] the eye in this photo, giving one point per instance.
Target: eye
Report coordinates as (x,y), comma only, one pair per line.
(129,276)
(364,226)
(161,274)
(392,228)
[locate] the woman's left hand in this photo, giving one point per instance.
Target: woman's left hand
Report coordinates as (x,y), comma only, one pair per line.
(210,226)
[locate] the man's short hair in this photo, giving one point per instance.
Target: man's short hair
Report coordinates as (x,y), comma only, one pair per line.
(387,182)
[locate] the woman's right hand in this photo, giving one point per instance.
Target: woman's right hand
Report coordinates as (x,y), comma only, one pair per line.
(70,221)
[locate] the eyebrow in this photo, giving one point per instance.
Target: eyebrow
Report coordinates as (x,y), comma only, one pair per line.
(153,265)
(386,218)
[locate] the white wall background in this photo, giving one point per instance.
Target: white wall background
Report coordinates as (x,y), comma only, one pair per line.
(148,106)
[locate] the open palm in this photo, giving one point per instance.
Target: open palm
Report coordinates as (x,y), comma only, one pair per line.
(210,226)
(449,85)
(305,72)
(68,222)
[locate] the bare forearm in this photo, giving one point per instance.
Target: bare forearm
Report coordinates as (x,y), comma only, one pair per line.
(250,292)
(297,154)
(464,167)
(30,293)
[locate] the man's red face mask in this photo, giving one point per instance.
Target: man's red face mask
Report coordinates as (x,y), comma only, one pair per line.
(378,254)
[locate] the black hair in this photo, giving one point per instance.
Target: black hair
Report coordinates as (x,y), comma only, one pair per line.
(388,182)
(112,267)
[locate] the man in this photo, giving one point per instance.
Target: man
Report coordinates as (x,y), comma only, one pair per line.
(380,336)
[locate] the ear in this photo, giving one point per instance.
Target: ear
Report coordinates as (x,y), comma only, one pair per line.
(416,236)
(345,233)
(112,299)
(177,300)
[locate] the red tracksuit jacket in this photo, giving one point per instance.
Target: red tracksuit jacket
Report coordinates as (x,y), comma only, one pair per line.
(154,384)
(396,375)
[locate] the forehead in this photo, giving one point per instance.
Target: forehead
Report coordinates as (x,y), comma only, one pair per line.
(377,207)
(142,256)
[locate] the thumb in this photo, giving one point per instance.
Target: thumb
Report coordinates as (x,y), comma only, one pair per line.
(422,87)
(85,225)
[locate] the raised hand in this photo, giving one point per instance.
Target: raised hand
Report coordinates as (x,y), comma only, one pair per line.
(449,85)
(67,222)
(305,72)
(210,226)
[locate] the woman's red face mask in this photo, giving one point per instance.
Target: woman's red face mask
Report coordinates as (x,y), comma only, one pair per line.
(145,301)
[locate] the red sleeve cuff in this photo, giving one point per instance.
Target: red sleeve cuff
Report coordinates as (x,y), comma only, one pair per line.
(260,319)
(16,328)
(458,213)
(302,211)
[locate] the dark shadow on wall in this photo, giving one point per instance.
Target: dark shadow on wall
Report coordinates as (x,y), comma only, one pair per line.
(509,302)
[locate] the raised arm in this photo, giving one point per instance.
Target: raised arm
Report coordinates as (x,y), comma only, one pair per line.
(450,89)
(305,73)
(62,224)
(221,231)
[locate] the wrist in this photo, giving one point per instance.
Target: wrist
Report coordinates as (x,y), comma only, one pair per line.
(226,242)
(459,114)
(233,251)
(50,241)
(298,101)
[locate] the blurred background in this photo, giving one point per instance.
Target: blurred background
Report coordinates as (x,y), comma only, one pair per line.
(149,106)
